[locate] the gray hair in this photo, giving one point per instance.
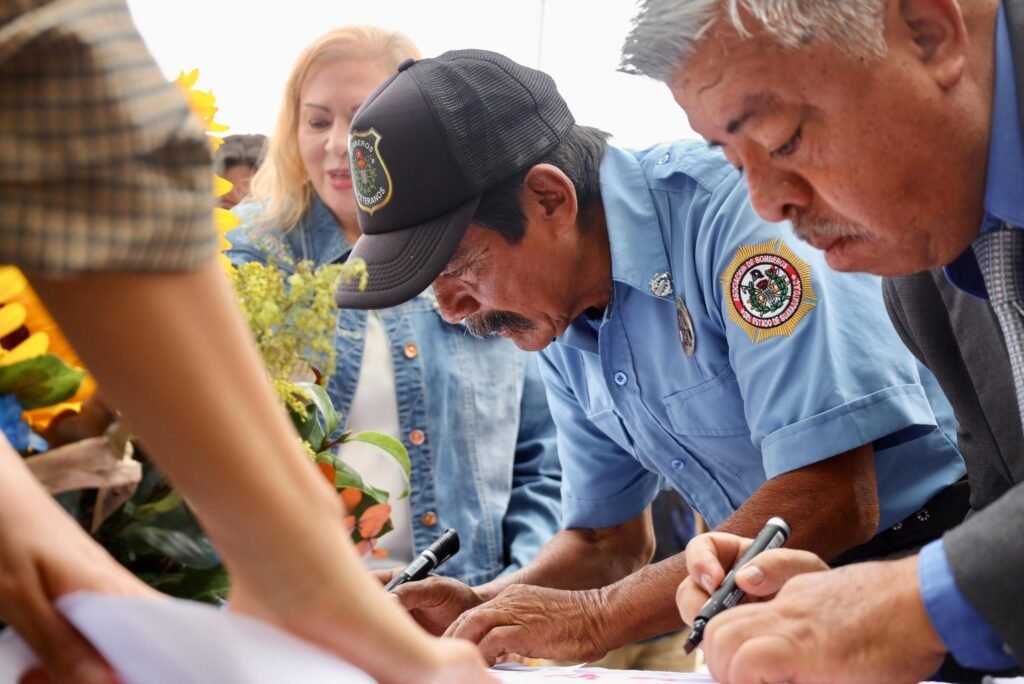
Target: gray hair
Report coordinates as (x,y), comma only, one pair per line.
(666,33)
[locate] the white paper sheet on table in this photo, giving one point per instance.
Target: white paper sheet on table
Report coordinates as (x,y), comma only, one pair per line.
(153,641)
(516,674)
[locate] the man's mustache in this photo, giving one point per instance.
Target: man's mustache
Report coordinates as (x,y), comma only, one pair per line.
(807,226)
(494,322)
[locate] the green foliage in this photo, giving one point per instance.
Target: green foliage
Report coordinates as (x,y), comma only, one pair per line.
(390,446)
(156,536)
(43,381)
(291,313)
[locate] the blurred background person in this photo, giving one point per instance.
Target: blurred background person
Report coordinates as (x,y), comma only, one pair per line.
(237,160)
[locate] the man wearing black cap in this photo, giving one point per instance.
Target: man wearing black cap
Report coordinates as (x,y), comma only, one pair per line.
(694,344)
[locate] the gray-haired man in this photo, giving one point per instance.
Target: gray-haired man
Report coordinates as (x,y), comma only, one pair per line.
(889,133)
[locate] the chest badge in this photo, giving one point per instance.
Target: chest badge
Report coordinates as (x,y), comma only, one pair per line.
(687,334)
(661,284)
(370,177)
(767,290)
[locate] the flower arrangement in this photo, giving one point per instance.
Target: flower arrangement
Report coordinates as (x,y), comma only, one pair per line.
(291,312)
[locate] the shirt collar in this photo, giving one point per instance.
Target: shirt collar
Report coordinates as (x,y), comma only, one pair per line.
(634,237)
(1003,197)
(1004,201)
(634,231)
(318,236)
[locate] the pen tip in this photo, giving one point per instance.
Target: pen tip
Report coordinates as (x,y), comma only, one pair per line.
(688,647)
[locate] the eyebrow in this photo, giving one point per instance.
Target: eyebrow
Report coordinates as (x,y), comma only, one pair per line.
(316,106)
(463,258)
(754,105)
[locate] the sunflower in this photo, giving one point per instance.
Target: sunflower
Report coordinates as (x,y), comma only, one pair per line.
(26,331)
(204,106)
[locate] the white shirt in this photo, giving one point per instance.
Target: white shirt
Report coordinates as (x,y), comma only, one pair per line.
(375,407)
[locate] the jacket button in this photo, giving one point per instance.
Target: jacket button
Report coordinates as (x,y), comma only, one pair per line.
(429,519)
(417,437)
(411,350)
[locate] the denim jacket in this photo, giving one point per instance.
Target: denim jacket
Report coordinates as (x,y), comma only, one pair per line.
(488,466)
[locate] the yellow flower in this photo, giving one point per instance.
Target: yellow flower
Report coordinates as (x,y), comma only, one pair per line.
(26,331)
(204,106)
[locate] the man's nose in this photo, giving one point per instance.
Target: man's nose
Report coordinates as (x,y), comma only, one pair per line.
(776,194)
(455,301)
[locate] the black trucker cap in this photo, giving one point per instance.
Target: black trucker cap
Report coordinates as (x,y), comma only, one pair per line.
(425,146)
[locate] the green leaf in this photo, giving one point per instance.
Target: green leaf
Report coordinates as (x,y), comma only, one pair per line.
(209,585)
(43,381)
(323,405)
(392,447)
(346,476)
(164,505)
(191,550)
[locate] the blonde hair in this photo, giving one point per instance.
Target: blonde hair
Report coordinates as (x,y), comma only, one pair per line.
(282,184)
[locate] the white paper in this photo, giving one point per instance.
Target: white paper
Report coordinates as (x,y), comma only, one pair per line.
(167,641)
(518,674)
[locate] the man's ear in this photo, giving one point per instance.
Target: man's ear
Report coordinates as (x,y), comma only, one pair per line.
(938,33)
(550,196)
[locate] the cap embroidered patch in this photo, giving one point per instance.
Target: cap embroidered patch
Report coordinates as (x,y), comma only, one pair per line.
(370,178)
(768,290)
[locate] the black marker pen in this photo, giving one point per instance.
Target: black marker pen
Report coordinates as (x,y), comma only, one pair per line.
(775,533)
(446,546)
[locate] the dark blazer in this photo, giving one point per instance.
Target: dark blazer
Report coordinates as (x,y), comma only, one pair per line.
(959,339)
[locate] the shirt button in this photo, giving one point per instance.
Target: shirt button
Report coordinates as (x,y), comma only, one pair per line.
(429,518)
(620,378)
(411,350)
(678,464)
(417,437)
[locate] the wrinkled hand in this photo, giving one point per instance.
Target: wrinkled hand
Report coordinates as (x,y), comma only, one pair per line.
(709,556)
(536,622)
(860,624)
(435,602)
(44,555)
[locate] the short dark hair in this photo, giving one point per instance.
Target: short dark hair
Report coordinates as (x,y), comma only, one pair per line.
(579,156)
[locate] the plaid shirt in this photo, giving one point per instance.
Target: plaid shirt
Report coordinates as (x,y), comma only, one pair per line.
(102,165)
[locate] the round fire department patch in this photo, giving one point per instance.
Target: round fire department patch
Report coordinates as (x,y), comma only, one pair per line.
(768,290)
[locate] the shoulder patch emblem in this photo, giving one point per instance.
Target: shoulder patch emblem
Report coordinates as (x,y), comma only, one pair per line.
(370,178)
(767,290)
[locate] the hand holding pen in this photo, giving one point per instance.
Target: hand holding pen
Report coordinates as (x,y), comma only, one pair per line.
(773,535)
(431,558)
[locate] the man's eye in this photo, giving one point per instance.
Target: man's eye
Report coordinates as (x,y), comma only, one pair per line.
(456,272)
(791,145)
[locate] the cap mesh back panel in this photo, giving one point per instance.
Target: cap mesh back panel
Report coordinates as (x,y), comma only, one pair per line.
(498,121)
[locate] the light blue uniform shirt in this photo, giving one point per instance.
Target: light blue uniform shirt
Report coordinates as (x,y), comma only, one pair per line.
(632,407)
(969,638)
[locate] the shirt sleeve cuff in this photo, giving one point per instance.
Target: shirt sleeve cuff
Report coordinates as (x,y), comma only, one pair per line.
(859,422)
(969,638)
(615,510)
